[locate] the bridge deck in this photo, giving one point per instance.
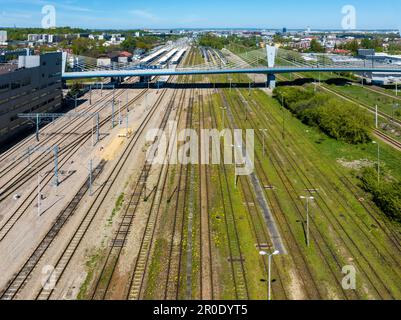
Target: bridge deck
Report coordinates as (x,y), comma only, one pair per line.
(177,72)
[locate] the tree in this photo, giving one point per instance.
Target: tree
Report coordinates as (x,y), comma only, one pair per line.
(129,44)
(315,46)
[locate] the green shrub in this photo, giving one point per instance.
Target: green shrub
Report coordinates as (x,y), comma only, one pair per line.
(336,118)
(386,195)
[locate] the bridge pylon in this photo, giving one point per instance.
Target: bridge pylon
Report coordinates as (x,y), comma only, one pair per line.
(271,81)
(271,53)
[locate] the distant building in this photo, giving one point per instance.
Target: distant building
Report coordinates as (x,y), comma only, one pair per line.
(83,35)
(43,38)
(103,61)
(31,85)
(284,30)
(125,57)
(366,53)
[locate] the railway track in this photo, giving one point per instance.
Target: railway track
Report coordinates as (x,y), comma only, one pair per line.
(26,173)
(138,277)
(389,140)
(392,260)
(373,212)
(104,282)
(14,154)
(327,255)
(63,161)
(22,276)
(103,192)
(172,283)
(337,224)
(206,259)
(235,258)
(257,224)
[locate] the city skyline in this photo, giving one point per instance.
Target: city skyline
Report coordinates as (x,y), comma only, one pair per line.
(94,14)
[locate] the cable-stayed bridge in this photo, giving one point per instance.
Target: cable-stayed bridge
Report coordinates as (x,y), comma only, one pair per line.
(268,61)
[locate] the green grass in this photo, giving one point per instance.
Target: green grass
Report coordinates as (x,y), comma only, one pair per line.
(370,98)
(117,207)
(154,287)
(91,265)
(317,139)
(324,155)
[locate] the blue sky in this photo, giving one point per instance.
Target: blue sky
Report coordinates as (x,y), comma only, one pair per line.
(371,14)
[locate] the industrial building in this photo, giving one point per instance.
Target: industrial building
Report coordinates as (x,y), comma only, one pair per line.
(150,58)
(380,78)
(167,57)
(33,84)
(43,38)
(178,56)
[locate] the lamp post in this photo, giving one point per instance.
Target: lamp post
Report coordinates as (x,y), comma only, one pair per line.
(39,196)
(264,253)
(395,106)
(235,162)
(282,105)
(90,95)
(264,144)
(222,115)
(307,216)
(378,161)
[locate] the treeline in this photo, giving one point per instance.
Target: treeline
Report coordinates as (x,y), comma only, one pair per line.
(355,45)
(338,119)
(386,195)
(213,41)
(94,48)
(146,42)
(20,34)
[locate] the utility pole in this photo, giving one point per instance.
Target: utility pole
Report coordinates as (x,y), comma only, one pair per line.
(56,182)
(39,196)
(395,106)
(112,114)
(119,113)
(37,127)
(126,126)
(90,177)
(377,117)
(222,115)
(90,95)
(264,253)
(264,144)
(97,128)
(307,217)
(378,162)
(235,162)
(282,105)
